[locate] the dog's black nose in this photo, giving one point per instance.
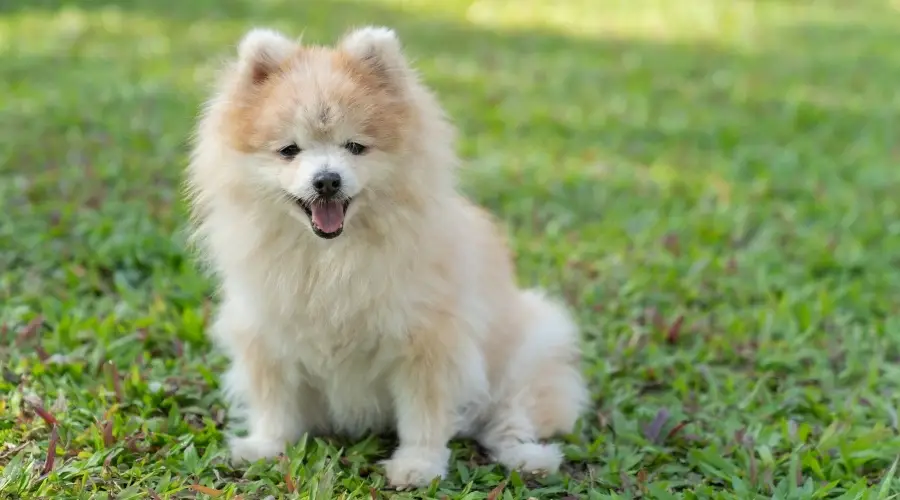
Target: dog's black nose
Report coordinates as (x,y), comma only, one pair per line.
(327,183)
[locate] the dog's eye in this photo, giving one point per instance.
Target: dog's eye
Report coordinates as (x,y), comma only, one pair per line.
(355,148)
(289,151)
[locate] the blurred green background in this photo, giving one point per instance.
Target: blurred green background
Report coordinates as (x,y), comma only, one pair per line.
(711,184)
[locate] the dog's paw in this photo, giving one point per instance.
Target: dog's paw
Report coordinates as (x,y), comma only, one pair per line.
(416,467)
(532,457)
(253,448)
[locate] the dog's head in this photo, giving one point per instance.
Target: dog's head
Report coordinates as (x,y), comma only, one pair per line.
(327,131)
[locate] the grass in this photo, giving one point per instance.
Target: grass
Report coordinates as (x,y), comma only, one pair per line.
(711,185)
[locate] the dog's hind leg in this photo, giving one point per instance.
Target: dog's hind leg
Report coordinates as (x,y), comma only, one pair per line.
(543,393)
(549,367)
(512,439)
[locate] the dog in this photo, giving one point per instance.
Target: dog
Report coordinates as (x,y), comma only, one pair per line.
(359,290)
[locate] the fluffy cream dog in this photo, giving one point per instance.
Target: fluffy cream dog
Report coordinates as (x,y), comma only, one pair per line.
(360,292)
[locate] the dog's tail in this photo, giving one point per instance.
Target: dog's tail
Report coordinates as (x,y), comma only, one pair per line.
(551,362)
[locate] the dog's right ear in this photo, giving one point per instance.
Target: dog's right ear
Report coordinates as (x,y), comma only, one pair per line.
(379,49)
(261,51)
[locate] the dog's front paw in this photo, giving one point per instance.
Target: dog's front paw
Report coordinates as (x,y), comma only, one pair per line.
(532,457)
(253,448)
(416,467)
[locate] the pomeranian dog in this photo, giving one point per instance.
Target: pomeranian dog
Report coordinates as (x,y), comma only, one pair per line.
(360,292)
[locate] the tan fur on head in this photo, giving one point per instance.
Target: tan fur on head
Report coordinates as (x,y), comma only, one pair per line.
(408,315)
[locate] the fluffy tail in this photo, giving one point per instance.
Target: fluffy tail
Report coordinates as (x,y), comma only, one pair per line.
(551,364)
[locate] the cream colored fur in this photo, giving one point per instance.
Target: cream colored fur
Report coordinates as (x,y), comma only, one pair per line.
(411,319)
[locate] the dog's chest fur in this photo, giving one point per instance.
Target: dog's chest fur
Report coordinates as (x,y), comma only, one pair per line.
(346,318)
(340,311)
(352,378)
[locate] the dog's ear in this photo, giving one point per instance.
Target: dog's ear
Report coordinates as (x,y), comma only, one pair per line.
(378,48)
(261,51)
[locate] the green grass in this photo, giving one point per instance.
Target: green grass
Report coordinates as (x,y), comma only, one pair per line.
(712,185)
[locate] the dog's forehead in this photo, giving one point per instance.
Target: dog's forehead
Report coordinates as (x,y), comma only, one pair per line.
(335,100)
(324,115)
(326,112)
(321,118)
(322,91)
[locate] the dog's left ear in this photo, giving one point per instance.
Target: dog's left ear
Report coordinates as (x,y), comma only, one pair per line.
(377,47)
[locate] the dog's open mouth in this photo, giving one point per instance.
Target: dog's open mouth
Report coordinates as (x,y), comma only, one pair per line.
(326,215)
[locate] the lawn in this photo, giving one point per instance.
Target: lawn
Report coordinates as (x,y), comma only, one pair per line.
(712,185)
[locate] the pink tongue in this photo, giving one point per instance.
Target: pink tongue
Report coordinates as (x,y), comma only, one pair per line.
(328,216)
